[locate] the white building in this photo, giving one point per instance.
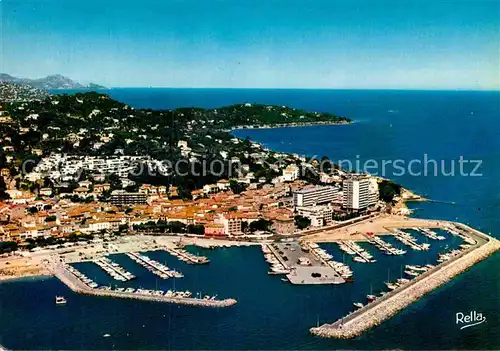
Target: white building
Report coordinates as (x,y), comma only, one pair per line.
(319,215)
(360,192)
(291,173)
(314,195)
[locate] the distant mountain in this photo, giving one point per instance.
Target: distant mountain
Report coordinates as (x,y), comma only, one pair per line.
(55,81)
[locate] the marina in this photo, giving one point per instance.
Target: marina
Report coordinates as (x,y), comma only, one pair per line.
(404,292)
(154,267)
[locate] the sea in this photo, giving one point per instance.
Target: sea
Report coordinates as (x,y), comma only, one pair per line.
(442,126)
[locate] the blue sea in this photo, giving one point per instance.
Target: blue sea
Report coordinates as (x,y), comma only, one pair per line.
(270,314)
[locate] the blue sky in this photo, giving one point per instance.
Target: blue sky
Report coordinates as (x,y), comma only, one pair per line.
(426,44)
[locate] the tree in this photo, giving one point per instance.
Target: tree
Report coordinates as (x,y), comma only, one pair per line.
(388,190)
(302,222)
(3,187)
(237,187)
(260,225)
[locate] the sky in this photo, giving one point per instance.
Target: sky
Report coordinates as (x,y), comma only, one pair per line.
(351,44)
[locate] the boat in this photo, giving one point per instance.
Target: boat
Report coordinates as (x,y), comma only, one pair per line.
(358,304)
(371,297)
(284,279)
(412,273)
(60,300)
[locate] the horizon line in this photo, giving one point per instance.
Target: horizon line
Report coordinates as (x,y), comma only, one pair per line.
(261,88)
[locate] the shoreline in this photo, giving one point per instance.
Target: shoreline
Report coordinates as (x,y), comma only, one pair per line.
(289,125)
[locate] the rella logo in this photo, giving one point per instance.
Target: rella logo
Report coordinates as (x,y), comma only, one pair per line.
(470,319)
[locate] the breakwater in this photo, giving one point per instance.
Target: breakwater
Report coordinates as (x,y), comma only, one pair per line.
(385,307)
(78,286)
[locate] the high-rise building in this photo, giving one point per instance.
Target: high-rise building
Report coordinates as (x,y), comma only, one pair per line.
(360,192)
(314,195)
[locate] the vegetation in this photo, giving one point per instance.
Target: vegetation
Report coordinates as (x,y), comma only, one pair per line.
(302,222)
(388,190)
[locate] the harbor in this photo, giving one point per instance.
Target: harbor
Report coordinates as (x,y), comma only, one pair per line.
(405,292)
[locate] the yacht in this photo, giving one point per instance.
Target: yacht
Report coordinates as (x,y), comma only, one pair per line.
(358,304)
(60,300)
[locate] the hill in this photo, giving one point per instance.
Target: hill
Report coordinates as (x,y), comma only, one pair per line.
(55,81)
(13,92)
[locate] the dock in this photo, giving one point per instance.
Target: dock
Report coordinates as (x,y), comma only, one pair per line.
(409,240)
(376,312)
(384,246)
(187,257)
(360,255)
(78,286)
(113,269)
(154,267)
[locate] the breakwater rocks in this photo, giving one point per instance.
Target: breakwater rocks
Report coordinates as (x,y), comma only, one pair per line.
(376,312)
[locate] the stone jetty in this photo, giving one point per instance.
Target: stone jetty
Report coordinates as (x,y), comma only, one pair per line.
(383,308)
(80,287)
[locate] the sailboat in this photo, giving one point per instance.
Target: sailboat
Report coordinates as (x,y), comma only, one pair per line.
(371,297)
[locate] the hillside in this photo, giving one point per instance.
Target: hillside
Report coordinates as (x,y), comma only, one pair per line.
(13,92)
(55,81)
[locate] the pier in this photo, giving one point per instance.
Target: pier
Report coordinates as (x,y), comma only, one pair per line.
(154,267)
(78,286)
(429,233)
(409,240)
(187,257)
(113,269)
(384,246)
(351,248)
(391,303)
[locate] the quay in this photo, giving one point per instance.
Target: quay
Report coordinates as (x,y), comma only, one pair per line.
(392,302)
(187,257)
(342,270)
(75,284)
(153,266)
(276,254)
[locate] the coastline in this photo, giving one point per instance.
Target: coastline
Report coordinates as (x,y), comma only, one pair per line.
(290,125)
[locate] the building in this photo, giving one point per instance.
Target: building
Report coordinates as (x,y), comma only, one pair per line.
(314,195)
(291,173)
(214,230)
(284,225)
(231,223)
(360,192)
(319,215)
(123,198)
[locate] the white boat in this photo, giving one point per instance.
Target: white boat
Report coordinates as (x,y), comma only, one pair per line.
(358,304)
(60,300)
